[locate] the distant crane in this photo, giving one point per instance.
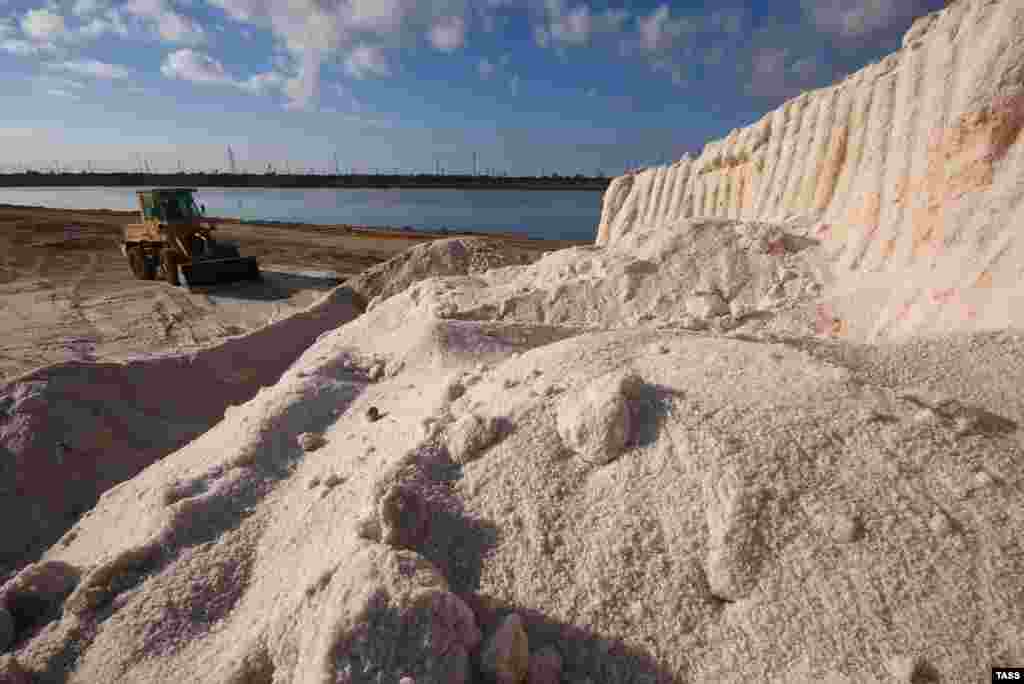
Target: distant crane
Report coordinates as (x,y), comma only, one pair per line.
(232,166)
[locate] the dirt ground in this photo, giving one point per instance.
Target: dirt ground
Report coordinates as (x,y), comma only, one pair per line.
(67,293)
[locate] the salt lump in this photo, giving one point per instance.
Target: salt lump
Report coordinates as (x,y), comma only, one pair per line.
(598,423)
(470,435)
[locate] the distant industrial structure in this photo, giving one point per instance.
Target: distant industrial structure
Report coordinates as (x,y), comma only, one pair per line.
(275,172)
(273,179)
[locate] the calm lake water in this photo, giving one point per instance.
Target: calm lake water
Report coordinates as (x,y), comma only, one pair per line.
(550,214)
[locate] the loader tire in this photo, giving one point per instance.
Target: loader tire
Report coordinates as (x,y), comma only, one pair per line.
(142,268)
(169,259)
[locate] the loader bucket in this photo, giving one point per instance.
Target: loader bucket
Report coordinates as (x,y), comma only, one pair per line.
(214,271)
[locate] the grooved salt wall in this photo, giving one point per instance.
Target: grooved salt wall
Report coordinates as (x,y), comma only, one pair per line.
(912,167)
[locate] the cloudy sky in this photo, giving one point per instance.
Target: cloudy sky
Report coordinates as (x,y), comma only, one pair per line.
(530,86)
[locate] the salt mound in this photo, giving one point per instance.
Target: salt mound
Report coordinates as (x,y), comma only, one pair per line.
(908,170)
(764,278)
(450,257)
(624,503)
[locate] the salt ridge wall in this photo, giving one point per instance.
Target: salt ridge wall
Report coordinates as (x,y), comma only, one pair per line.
(911,169)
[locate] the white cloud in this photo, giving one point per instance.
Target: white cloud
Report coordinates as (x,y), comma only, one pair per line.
(770,61)
(22,133)
(377,16)
(729,21)
(304,88)
(52,82)
(21,48)
(169,25)
(772,75)
(359,33)
(448,34)
(659,31)
(715,55)
(858,18)
(187,64)
(263,83)
(297,97)
(283,62)
(673,69)
(670,44)
(573,28)
(190,65)
(85,8)
(564,27)
(179,29)
(367,61)
(112,22)
(486,68)
(42,25)
(92,68)
(541,36)
(805,68)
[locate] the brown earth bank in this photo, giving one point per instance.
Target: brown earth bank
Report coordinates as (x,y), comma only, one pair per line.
(67,293)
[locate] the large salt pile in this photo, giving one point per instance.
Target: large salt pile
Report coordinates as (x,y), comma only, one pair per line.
(909,172)
(658,459)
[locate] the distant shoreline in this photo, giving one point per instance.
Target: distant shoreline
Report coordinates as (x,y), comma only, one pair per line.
(304,181)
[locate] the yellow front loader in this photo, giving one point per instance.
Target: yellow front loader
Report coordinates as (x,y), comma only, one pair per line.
(175,241)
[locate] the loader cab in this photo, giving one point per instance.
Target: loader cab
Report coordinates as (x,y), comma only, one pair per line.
(169,206)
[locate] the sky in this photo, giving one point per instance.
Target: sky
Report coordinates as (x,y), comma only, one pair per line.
(527,86)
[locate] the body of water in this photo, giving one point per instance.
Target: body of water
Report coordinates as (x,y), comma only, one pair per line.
(548,214)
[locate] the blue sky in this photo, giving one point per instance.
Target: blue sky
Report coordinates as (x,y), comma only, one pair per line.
(530,86)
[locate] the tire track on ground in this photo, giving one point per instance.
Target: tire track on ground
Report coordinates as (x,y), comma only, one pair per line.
(192,316)
(75,291)
(83,334)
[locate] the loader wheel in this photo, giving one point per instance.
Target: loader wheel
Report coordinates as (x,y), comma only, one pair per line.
(142,268)
(169,259)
